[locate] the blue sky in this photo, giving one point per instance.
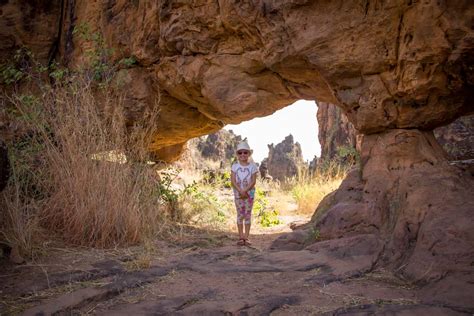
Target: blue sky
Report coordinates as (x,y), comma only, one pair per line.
(298,119)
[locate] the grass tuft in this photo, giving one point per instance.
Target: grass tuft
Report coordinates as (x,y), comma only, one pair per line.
(61,181)
(308,190)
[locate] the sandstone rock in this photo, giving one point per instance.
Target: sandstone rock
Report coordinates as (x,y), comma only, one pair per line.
(285,160)
(263,169)
(35,25)
(457,138)
(411,198)
(293,241)
(335,130)
(228,62)
(219,146)
(211,152)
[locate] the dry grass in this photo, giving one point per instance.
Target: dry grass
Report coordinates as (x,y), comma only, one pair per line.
(309,190)
(57,185)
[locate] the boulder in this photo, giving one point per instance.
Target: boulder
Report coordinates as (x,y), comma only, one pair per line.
(412,199)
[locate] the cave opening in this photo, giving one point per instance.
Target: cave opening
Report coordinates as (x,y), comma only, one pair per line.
(297,119)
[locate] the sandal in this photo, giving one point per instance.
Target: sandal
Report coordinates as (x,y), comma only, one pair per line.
(247,242)
(241,242)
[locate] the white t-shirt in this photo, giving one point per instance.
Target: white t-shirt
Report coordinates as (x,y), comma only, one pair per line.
(243,174)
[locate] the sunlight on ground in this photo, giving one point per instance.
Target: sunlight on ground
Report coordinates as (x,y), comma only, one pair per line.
(276,207)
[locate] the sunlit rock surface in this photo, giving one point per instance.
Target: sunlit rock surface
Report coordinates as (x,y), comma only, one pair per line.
(285,159)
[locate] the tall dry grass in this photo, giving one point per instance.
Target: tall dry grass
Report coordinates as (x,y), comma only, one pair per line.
(68,175)
(309,189)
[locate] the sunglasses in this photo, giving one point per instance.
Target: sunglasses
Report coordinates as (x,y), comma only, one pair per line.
(242,153)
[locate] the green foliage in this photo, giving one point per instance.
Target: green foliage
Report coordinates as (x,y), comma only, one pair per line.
(348,154)
(260,202)
(200,205)
(57,73)
(227,183)
(165,187)
(24,66)
(101,68)
(266,217)
(10,74)
(128,62)
(16,69)
(269,218)
(314,235)
(217,178)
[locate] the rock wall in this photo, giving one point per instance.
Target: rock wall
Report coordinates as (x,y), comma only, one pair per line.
(412,199)
(398,69)
(334,130)
(219,146)
(211,152)
(285,159)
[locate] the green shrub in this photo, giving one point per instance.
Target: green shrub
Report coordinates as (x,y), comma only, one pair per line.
(269,218)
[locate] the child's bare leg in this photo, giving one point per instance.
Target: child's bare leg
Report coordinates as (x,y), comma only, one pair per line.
(247,231)
(240,228)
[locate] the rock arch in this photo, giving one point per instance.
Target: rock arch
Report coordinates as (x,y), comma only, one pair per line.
(398,69)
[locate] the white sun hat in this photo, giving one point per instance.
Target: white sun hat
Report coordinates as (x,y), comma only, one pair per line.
(244,146)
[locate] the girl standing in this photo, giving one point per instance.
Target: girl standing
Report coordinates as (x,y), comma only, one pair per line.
(243,178)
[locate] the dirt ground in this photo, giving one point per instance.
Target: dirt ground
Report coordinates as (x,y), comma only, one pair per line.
(205,274)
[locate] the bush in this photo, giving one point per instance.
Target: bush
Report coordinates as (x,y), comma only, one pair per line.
(66,174)
(198,204)
(266,217)
(269,218)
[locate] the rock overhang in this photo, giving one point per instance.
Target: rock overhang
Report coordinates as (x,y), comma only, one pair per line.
(402,64)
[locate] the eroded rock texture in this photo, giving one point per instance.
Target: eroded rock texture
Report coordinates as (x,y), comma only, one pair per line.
(219,146)
(399,64)
(334,130)
(419,205)
(285,159)
(457,138)
(210,153)
(398,69)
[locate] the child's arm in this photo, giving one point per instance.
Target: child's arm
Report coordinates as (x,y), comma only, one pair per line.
(251,185)
(234,182)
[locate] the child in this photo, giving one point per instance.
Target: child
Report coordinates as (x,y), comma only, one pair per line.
(243,177)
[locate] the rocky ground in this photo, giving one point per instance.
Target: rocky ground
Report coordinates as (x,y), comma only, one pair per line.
(207,273)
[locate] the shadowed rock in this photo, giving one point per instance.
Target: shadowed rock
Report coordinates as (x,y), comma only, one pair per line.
(79,298)
(394,309)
